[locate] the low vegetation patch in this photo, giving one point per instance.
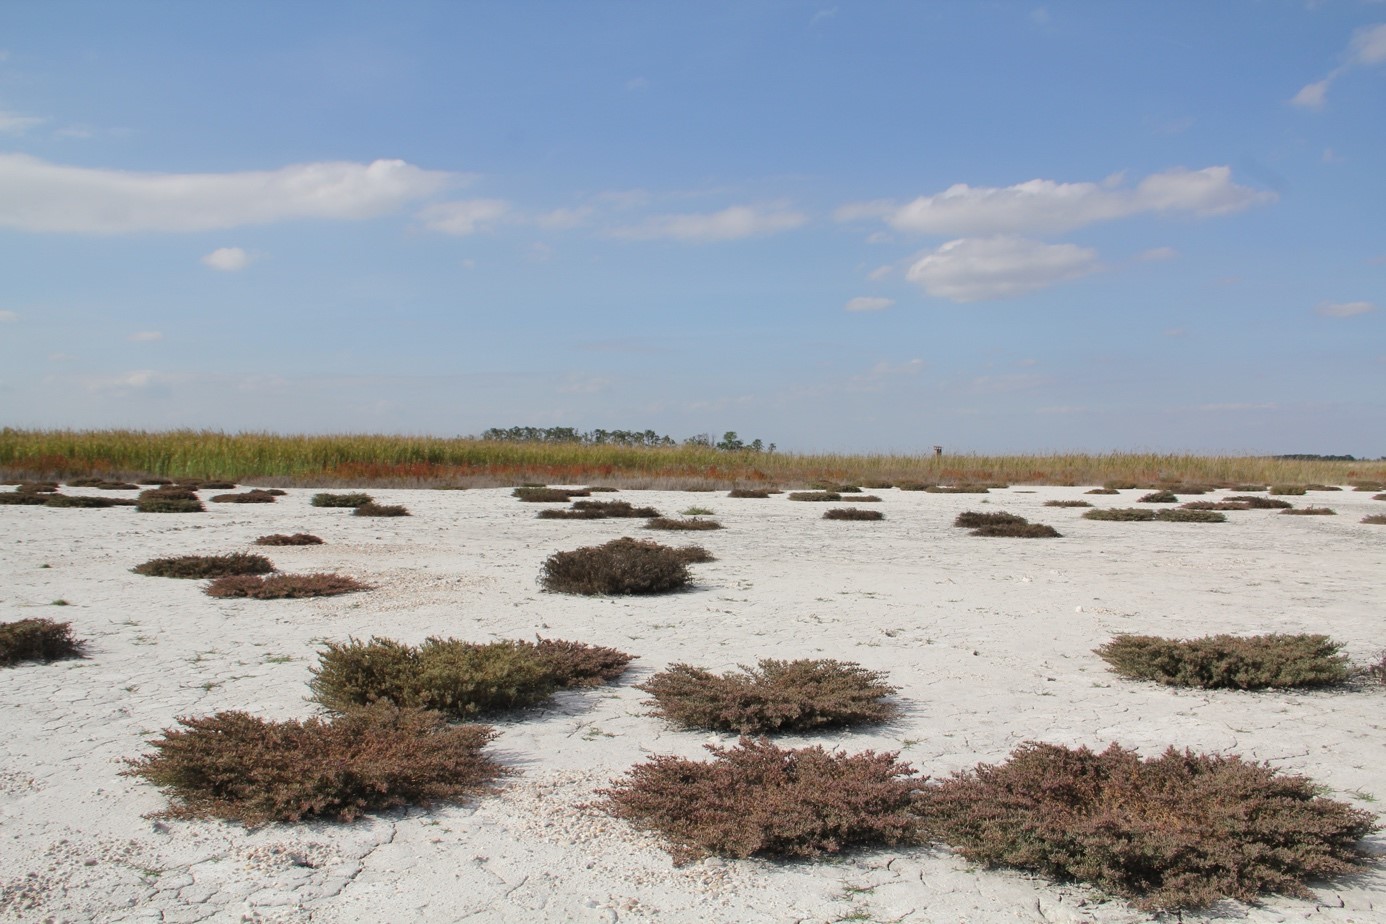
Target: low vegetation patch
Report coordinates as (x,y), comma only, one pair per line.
(615,509)
(756,493)
(687,523)
(974,519)
(205,566)
(1184,515)
(1159,497)
(1290,490)
(168,492)
(381,510)
(619,567)
(1067,503)
(756,799)
(294,539)
(1229,661)
(1023,530)
(958,489)
(814,496)
(169,505)
(37,640)
(238,767)
(245,497)
(284,586)
(1178,831)
(355,499)
(1215,505)
(694,554)
(1309,512)
(852,513)
(460,679)
(37,487)
(1103,491)
(1259,503)
(1119,485)
(21,499)
(76,500)
(551,513)
(1322,487)
(541,495)
(773,696)
(1120,514)
(1376,519)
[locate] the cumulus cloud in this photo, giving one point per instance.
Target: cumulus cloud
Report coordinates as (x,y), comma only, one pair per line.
(734,223)
(1366,49)
(1343,309)
(145,336)
(1049,206)
(869,303)
(39,196)
(464,217)
(227,259)
(983,269)
(7,316)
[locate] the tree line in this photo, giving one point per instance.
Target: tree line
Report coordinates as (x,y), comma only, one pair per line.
(729,442)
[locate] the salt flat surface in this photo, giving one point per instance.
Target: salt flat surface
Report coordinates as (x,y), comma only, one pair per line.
(989,640)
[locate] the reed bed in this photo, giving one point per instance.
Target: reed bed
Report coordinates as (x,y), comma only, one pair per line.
(425,461)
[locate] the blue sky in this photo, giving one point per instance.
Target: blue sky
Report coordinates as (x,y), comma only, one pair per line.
(999,227)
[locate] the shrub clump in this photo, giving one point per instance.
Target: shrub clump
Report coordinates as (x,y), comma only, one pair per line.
(1229,661)
(23,499)
(814,496)
(1186,515)
(758,493)
(284,586)
(36,640)
(1119,514)
(694,554)
(1159,497)
(1215,505)
(852,513)
(245,497)
(1103,491)
(616,509)
(773,696)
(205,566)
(973,519)
(1178,831)
(685,523)
(294,539)
(1259,503)
(756,799)
(1309,512)
(542,495)
(238,767)
(1022,530)
(380,510)
(1376,519)
(958,489)
(167,504)
(459,679)
(621,566)
(1067,503)
(341,500)
(1290,490)
(73,500)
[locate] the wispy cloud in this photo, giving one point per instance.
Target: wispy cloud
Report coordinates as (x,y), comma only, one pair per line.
(1049,206)
(1158,254)
(39,196)
(734,223)
(464,217)
(1343,309)
(12,123)
(983,269)
(869,303)
(8,317)
(145,336)
(1366,49)
(227,259)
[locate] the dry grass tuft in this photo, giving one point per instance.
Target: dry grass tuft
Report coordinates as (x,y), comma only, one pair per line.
(756,799)
(205,566)
(355,499)
(619,567)
(852,513)
(1229,661)
(169,505)
(773,696)
(21,499)
(1120,514)
(37,640)
(1067,503)
(1259,503)
(1215,505)
(381,510)
(687,523)
(1018,531)
(1185,515)
(284,586)
(814,496)
(749,492)
(974,519)
(1376,519)
(615,509)
(245,497)
(1310,511)
(295,539)
(1179,831)
(1159,497)
(1290,490)
(1103,491)
(238,767)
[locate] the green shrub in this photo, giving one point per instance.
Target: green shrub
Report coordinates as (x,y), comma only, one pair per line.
(37,640)
(169,505)
(814,496)
(20,499)
(756,799)
(617,509)
(1158,497)
(541,495)
(238,767)
(748,492)
(1184,515)
(205,566)
(295,539)
(973,519)
(1310,512)
(381,510)
(1219,661)
(1259,503)
(852,513)
(73,500)
(1288,489)
(245,497)
(693,523)
(1119,513)
(1067,503)
(459,679)
(773,696)
(284,586)
(1376,519)
(1179,831)
(1017,531)
(341,500)
(621,566)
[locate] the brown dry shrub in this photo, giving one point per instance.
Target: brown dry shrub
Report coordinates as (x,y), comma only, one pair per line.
(773,696)
(1229,661)
(852,513)
(1067,503)
(1322,487)
(238,767)
(117,486)
(973,519)
(205,566)
(354,499)
(1215,505)
(1103,491)
(1017,531)
(1259,503)
(20,499)
(168,492)
(541,495)
(1310,511)
(756,799)
(686,523)
(551,513)
(1379,497)
(73,500)
(295,539)
(272,492)
(958,489)
(1178,831)
(1243,488)
(1288,489)
(1376,519)
(37,640)
(284,586)
(245,497)
(1158,497)
(915,485)
(169,505)
(381,510)
(216,485)
(814,496)
(694,554)
(37,487)
(84,482)
(619,567)
(749,492)
(1367,486)
(1120,514)
(158,482)
(616,509)
(1119,485)
(1185,515)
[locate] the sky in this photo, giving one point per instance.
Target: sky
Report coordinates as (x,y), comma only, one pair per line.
(999,227)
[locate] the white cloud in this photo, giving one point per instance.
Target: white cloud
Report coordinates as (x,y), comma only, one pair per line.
(869,303)
(1366,49)
(39,196)
(880,272)
(563,219)
(143,381)
(15,124)
(735,223)
(8,316)
(586,386)
(464,217)
(227,259)
(145,336)
(1049,206)
(1157,254)
(1343,309)
(982,269)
